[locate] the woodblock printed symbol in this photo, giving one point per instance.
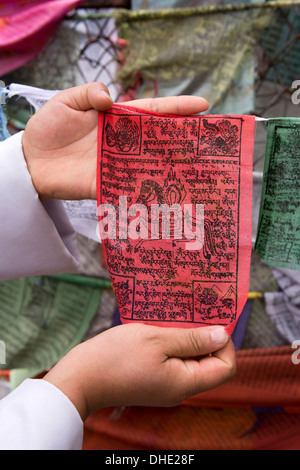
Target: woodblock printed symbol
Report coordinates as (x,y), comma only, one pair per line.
(220,137)
(123,135)
(214,302)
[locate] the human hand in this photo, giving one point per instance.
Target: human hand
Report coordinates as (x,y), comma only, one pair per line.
(60,140)
(142,365)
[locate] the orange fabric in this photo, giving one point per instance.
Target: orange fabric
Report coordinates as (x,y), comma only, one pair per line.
(264,377)
(169,428)
(194,428)
(5,373)
(224,418)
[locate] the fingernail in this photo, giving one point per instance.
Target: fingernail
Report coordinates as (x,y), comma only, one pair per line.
(218,335)
(106,94)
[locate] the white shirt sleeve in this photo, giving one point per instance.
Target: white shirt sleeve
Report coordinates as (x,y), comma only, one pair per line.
(35,239)
(38,416)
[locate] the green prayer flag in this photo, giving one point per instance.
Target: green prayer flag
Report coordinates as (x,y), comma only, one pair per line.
(278,234)
(42,318)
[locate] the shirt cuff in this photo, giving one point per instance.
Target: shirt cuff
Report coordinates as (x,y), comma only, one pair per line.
(34,239)
(38,416)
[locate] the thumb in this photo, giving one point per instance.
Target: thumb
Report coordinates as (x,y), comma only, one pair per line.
(204,358)
(93,95)
(192,342)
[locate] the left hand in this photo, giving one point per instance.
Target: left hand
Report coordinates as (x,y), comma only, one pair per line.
(60,140)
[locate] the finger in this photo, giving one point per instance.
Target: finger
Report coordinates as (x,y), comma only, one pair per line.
(211,371)
(93,95)
(193,342)
(181,105)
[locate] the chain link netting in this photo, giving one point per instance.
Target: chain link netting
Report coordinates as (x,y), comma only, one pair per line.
(86,47)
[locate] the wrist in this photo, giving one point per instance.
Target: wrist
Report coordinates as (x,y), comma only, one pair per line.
(32,168)
(68,376)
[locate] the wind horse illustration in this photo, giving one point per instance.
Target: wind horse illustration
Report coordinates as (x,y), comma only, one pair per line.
(172,191)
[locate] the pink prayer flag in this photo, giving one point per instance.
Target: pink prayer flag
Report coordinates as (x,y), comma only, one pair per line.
(175,214)
(25,28)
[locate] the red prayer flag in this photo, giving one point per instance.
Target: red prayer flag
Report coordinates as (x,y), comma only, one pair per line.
(174,204)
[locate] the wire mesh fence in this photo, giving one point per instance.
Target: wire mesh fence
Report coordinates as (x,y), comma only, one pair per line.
(86,47)
(81,50)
